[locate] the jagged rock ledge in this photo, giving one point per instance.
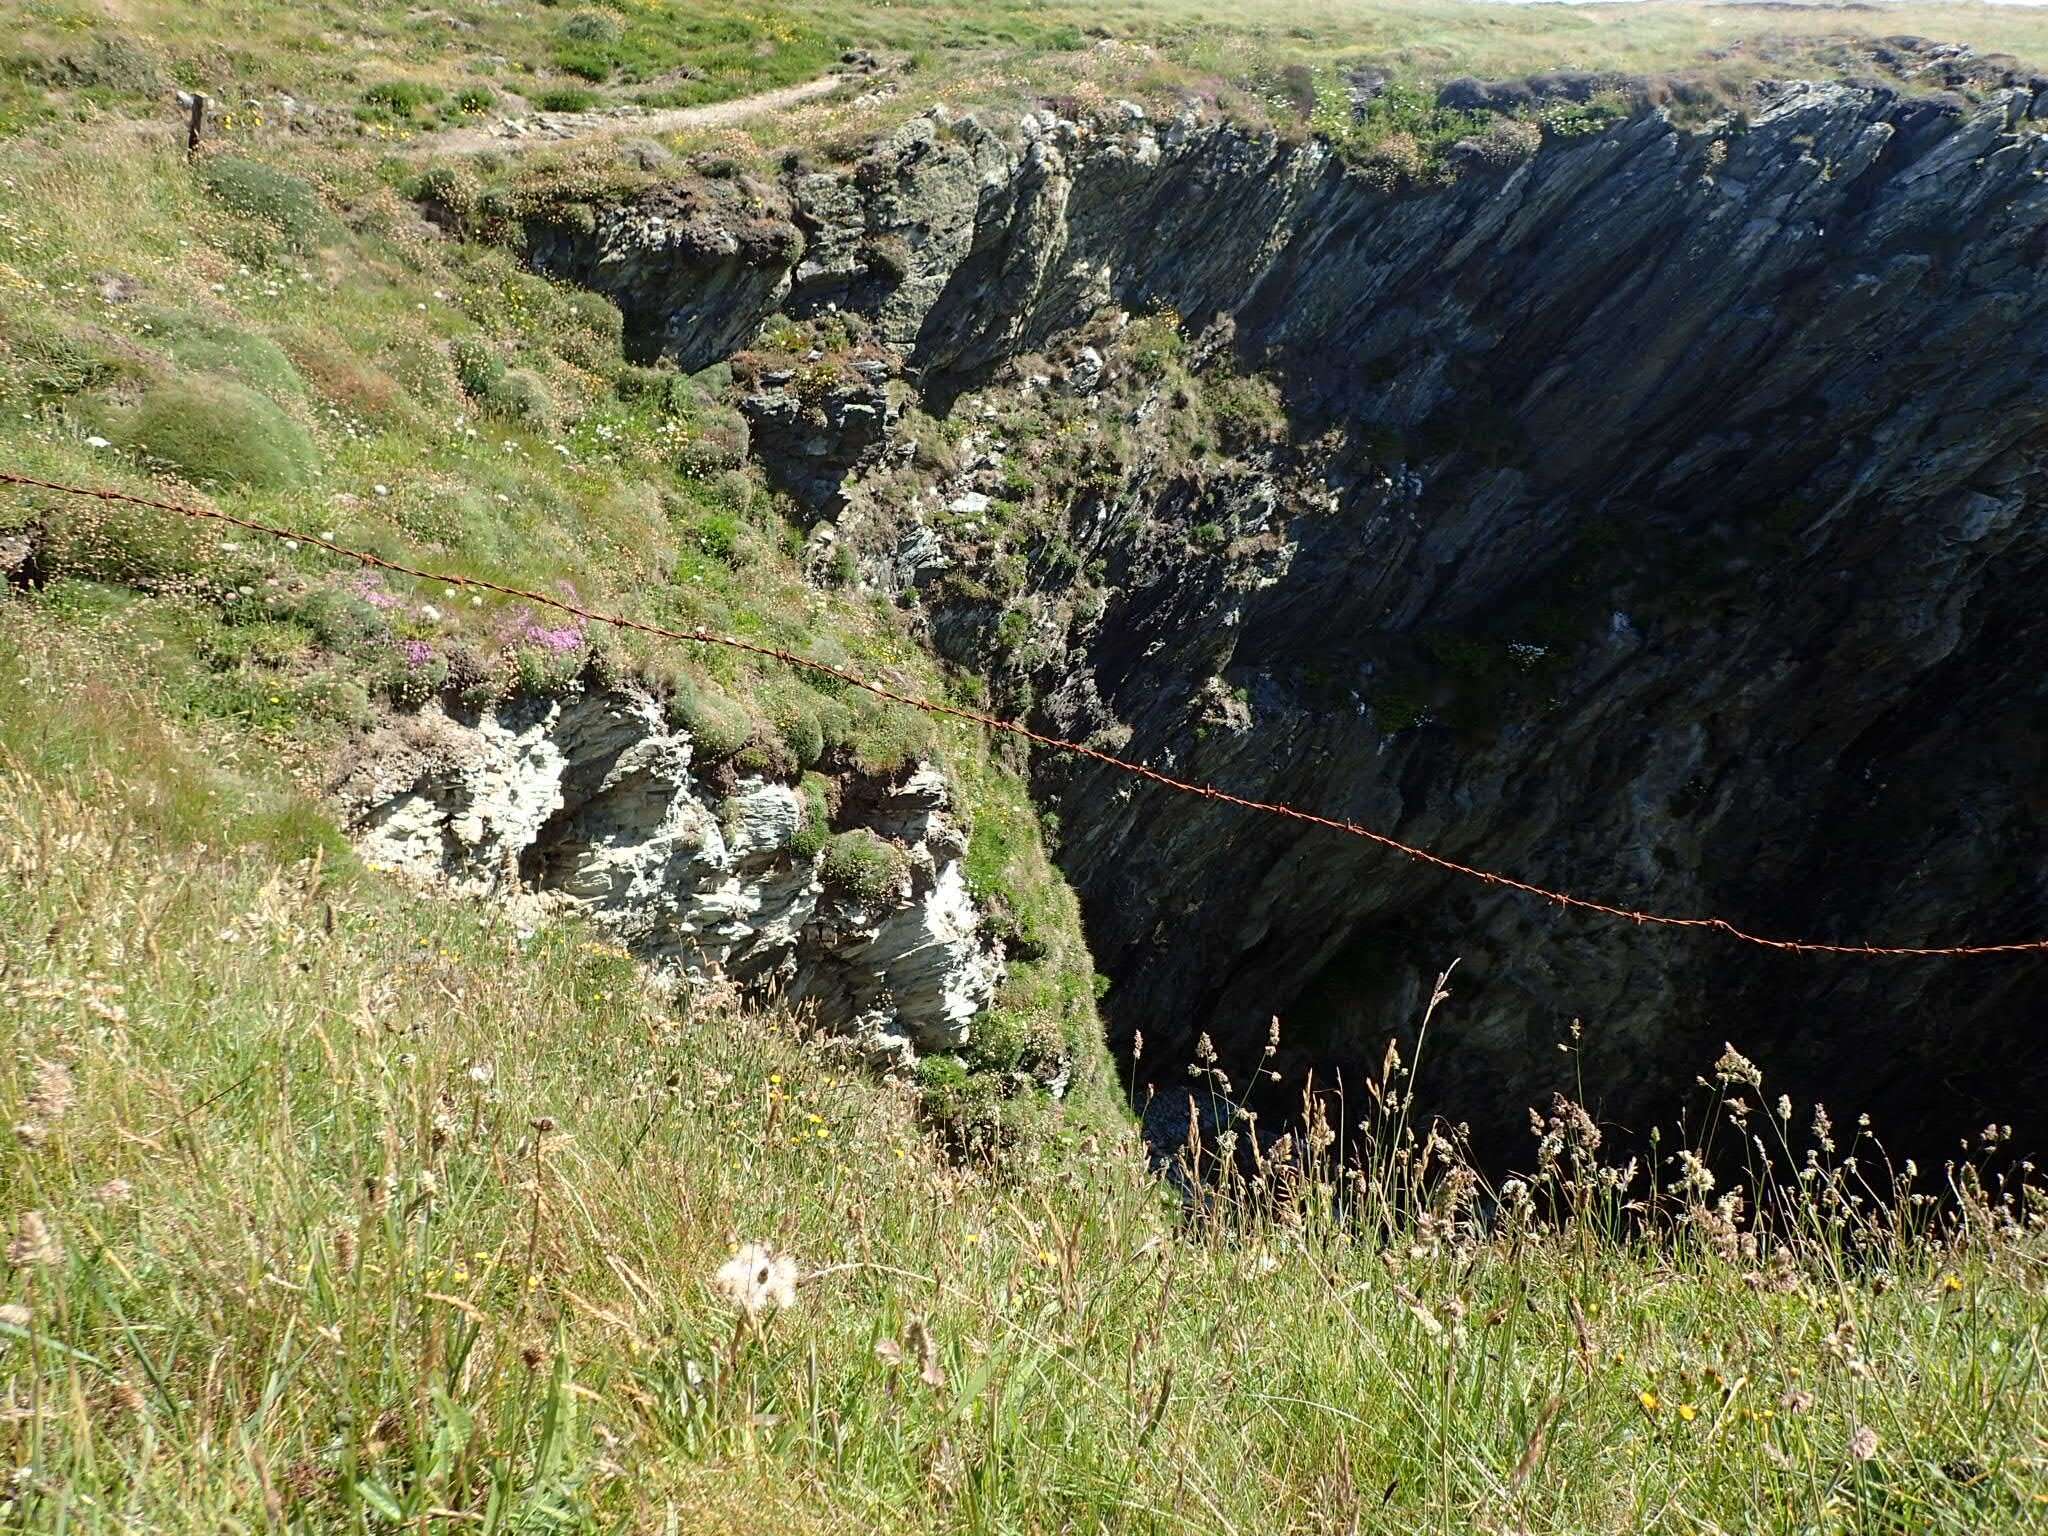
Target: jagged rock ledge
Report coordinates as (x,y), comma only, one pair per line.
(593,803)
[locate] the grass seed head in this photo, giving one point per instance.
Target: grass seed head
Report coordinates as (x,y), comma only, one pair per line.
(35,1245)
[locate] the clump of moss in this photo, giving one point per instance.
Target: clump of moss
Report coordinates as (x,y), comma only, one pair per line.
(287,203)
(861,866)
(217,432)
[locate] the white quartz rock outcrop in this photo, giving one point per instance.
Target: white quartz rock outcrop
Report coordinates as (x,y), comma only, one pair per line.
(591,802)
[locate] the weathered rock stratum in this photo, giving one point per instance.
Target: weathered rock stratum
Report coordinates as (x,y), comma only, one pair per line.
(1657,516)
(591,803)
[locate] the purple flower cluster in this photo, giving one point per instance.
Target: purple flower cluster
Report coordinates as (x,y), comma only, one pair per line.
(558,642)
(417,653)
(371,591)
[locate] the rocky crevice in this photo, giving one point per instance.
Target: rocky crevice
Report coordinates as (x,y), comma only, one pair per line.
(1654,517)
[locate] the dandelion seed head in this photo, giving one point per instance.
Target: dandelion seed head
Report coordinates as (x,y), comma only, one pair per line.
(757,1280)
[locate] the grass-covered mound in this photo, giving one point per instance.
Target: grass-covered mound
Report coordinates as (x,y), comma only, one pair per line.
(326,1204)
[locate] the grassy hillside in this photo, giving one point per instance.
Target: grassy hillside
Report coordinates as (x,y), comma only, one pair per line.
(390,70)
(334,1207)
(304,348)
(330,1204)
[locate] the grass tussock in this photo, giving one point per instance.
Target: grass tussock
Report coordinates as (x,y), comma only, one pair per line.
(332,1206)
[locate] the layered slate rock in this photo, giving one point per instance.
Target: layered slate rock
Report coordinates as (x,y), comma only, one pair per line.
(1735,435)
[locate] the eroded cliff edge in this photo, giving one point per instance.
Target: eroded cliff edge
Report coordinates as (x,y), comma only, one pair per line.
(1650,515)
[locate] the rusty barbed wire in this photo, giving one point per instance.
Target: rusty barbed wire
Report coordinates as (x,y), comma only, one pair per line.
(702,636)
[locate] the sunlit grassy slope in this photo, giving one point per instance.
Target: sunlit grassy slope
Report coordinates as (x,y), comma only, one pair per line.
(298,344)
(334,1207)
(394,68)
(329,1204)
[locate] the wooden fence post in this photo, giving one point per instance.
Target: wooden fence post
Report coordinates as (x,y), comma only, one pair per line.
(197,124)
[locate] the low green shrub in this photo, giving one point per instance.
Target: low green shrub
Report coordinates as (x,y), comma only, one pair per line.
(591,27)
(594,314)
(970,1111)
(545,673)
(447,187)
(715,440)
(565,98)
(861,866)
(402,98)
(217,432)
(1010,1040)
(518,395)
(1246,408)
(477,365)
(287,203)
(796,722)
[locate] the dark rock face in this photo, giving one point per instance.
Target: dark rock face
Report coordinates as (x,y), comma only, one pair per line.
(812,438)
(693,267)
(1727,446)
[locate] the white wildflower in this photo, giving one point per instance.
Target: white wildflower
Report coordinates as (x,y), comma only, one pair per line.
(757,1280)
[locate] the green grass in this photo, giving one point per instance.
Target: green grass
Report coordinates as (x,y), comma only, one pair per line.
(335,1206)
(357,1209)
(435,402)
(399,69)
